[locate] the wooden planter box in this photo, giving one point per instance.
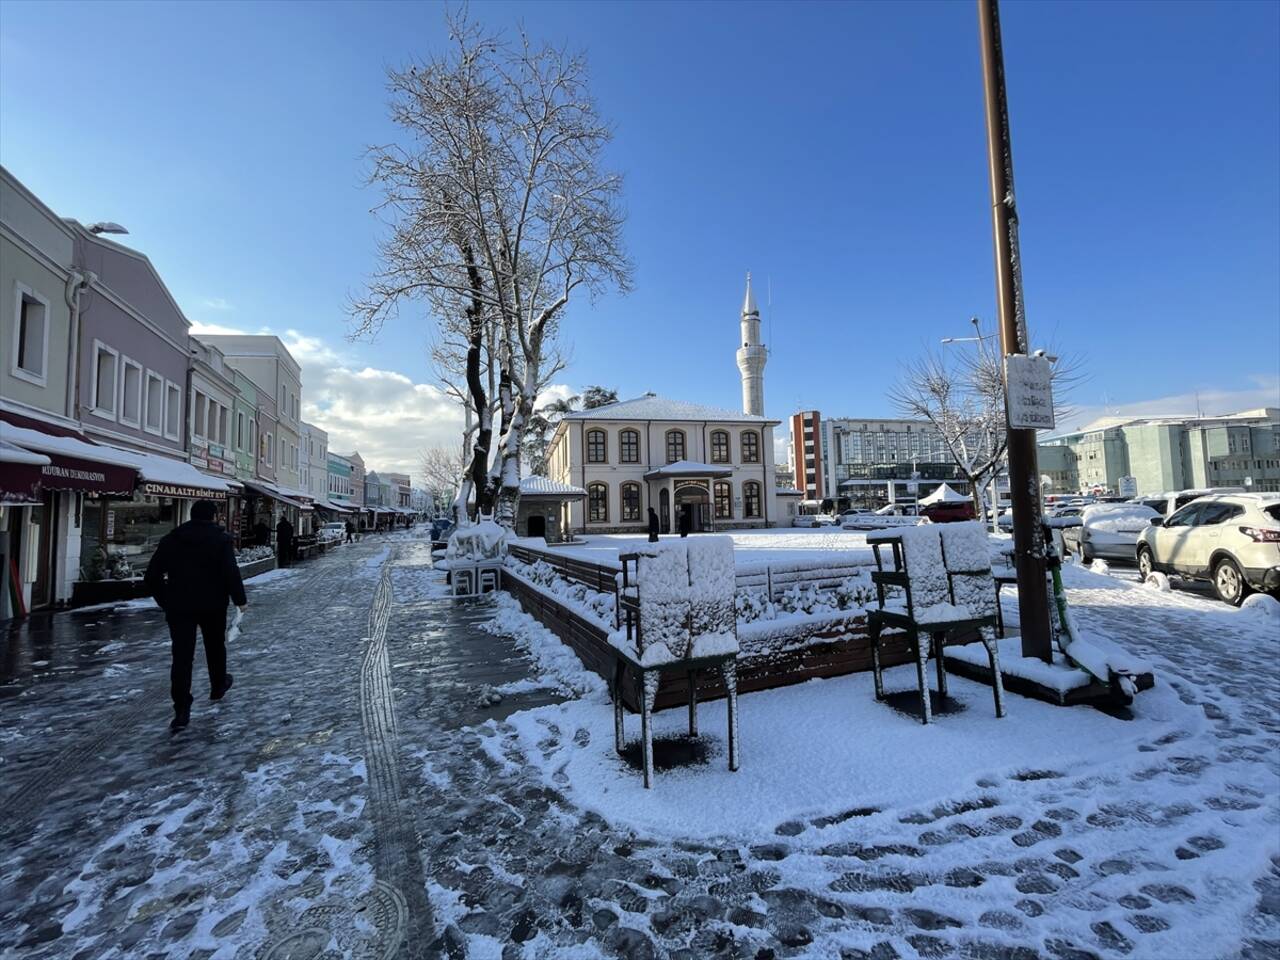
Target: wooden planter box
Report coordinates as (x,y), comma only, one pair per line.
(85,593)
(842,650)
(248,570)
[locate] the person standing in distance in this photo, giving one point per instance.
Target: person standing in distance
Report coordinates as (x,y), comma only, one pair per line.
(284,542)
(192,576)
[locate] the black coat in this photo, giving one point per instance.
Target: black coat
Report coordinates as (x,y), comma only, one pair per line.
(262,534)
(194,570)
(284,531)
(653,521)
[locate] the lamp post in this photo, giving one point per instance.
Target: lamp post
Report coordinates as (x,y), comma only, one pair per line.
(1024,474)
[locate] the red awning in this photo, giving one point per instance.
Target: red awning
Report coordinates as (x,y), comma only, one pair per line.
(74,463)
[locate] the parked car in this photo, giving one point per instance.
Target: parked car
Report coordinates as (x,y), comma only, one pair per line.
(812,520)
(332,531)
(1231,540)
(948,511)
(1172,500)
(852,512)
(899,510)
(1108,530)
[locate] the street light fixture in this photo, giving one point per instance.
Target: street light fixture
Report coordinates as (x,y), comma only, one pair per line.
(106,226)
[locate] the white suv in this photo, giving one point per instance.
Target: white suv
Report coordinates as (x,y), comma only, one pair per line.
(1232,540)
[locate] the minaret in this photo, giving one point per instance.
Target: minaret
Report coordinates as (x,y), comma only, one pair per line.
(752,356)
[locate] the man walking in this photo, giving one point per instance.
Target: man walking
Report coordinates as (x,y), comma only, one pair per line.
(192,576)
(351,532)
(284,542)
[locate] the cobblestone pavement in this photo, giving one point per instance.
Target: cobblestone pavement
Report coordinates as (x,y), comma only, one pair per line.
(359,793)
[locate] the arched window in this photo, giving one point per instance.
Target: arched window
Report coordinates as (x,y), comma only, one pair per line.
(597,446)
(719,446)
(675,445)
(750,447)
(630,502)
(598,503)
(724,499)
(751,499)
(629,446)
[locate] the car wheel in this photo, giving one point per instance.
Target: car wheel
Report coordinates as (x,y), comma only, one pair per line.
(1228,582)
(1086,555)
(1146,565)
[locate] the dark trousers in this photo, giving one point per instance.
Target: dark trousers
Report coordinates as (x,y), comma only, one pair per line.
(284,552)
(182,631)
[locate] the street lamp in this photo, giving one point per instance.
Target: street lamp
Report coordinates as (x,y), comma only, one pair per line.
(105,226)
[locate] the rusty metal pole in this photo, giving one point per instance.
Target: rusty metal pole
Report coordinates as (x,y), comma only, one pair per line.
(1024,474)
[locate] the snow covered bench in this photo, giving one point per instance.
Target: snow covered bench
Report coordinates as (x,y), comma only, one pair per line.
(474,558)
(944,573)
(676,614)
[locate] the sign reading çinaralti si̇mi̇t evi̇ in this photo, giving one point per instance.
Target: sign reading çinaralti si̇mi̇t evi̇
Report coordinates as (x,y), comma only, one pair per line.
(1029,388)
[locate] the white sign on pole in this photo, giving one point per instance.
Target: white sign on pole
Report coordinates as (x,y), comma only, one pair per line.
(1128,486)
(1248,481)
(1028,380)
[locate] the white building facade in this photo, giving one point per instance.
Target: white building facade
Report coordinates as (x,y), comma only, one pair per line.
(714,467)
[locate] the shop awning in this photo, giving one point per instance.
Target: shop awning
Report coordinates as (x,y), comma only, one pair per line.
(20,474)
(267,489)
(73,463)
(336,507)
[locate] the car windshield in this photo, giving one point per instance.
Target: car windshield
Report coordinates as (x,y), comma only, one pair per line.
(1184,517)
(1273,512)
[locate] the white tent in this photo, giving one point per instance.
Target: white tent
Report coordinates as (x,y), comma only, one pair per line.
(944,494)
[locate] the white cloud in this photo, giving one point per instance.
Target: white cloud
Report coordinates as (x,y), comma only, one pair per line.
(216,303)
(386,416)
(1211,401)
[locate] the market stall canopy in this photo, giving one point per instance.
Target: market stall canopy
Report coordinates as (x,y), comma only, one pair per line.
(335,507)
(689,468)
(73,463)
(20,474)
(944,494)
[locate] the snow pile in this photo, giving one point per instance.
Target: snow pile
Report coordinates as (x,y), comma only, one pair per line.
(1157,581)
(942,612)
(1262,606)
(482,540)
(662,581)
(555,660)
(1100,566)
(252,554)
(1103,657)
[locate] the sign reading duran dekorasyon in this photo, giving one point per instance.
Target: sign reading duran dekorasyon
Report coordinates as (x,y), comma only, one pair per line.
(1029,384)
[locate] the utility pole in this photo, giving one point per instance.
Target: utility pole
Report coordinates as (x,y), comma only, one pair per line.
(1024,473)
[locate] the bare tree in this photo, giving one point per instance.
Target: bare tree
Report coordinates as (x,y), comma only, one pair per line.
(961,394)
(442,471)
(500,214)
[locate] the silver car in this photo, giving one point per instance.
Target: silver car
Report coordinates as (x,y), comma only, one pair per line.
(1231,540)
(1108,530)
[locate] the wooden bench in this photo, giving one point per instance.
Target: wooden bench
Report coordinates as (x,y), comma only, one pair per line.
(934,614)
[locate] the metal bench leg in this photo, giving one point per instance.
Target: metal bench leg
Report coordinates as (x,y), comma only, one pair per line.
(997,681)
(619,732)
(646,723)
(730,670)
(875,660)
(922,663)
(938,639)
(999,614)
(693,703)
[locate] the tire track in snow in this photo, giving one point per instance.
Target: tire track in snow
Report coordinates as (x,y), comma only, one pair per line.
(396,860)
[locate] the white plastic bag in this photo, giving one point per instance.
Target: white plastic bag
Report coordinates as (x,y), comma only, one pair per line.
(233,632)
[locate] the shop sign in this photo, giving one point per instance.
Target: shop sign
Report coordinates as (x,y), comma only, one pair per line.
(199,461)
(111,524)
(70,473)
(180,490)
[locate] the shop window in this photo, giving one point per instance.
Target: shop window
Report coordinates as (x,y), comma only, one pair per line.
(630,502)
(199,414)
(724,500)
(598,503)
(105,362)
(675,445)
(629,446)
(750,447)
(31,337)
(719,446)
(751,500)
(131,392)
(154,422)
(597,446)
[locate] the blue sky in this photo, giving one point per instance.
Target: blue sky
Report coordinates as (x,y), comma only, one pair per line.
(835,150)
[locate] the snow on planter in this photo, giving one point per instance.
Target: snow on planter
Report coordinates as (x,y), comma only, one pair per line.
(482,540)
